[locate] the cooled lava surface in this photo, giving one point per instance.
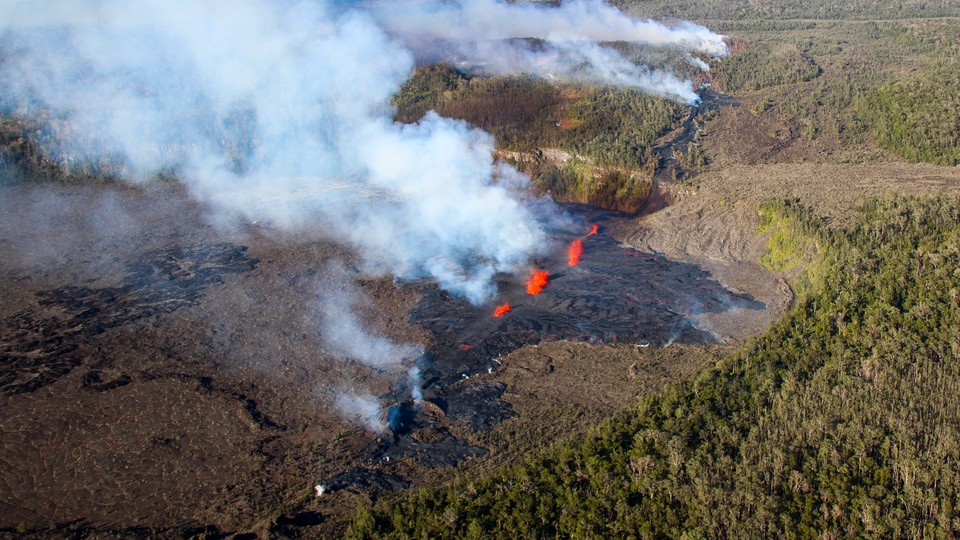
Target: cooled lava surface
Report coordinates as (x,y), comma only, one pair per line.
(591,289)
(614,294)
(156,371)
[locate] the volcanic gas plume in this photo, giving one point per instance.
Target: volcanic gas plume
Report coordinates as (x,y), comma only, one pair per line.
(538,280)
(280,113)
(555,41)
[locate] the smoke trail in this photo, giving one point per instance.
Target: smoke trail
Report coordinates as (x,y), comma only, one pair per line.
(345,336)
(275,111)
(363,409)
(577,20)
(486,32)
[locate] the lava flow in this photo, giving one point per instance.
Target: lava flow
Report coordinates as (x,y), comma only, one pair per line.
(594,230)
(538,280)
(501,310)
(575,251)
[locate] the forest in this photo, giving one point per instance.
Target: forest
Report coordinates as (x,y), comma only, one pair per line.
(840,421)
(791,9)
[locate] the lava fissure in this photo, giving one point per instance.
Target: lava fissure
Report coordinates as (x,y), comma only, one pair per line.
(575,252)
(576,247)
(538,280)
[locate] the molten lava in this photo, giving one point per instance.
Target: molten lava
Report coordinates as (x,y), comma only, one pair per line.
(538,280)
(501,310)
(575,251)
(594,230)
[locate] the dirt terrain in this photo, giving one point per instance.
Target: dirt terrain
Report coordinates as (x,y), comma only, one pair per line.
(161,375)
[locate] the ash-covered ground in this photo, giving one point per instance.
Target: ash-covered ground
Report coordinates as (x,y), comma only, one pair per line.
(615,294)
(161,375)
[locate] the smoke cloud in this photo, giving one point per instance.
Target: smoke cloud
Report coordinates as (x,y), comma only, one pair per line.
(274,111)
(339,306)
(495,35)
(279,111)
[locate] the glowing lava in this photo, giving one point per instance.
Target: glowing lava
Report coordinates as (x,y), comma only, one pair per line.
(594,230)
(575,251)
(501,310)
(538,280)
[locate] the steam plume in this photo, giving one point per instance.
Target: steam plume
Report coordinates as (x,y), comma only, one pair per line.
(362,409)
(345,336)
(273,110)
(483,32)
(279,111)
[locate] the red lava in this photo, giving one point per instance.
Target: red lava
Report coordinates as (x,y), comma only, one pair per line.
(538,280)
(501,310)
(575,251)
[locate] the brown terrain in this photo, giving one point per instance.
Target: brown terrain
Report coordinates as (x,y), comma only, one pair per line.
(164,376)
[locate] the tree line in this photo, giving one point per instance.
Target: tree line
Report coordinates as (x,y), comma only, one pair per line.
(839,421)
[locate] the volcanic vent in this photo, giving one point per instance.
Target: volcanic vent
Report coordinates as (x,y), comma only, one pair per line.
(592,289)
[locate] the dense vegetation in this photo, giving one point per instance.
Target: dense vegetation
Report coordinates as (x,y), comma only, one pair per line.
(918,118)
(846,86)
(613,126)
(761,67)
(841,421)
(23,158)
(608,133)
(791,9)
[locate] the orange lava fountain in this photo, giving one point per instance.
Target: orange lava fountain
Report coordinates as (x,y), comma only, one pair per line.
(501,310)
(575,251)
(538,280)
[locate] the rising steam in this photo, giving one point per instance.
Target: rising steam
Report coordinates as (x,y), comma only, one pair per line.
(340,302)
(363,409)
(497,36)
(279,111)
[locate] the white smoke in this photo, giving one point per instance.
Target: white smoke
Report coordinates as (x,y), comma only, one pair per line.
(490,33)
(363,409)
(345,335)
(276,111)
(576,20)
(279,110)
(339,306)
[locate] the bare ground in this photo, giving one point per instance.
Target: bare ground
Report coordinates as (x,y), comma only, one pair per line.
(162,376)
